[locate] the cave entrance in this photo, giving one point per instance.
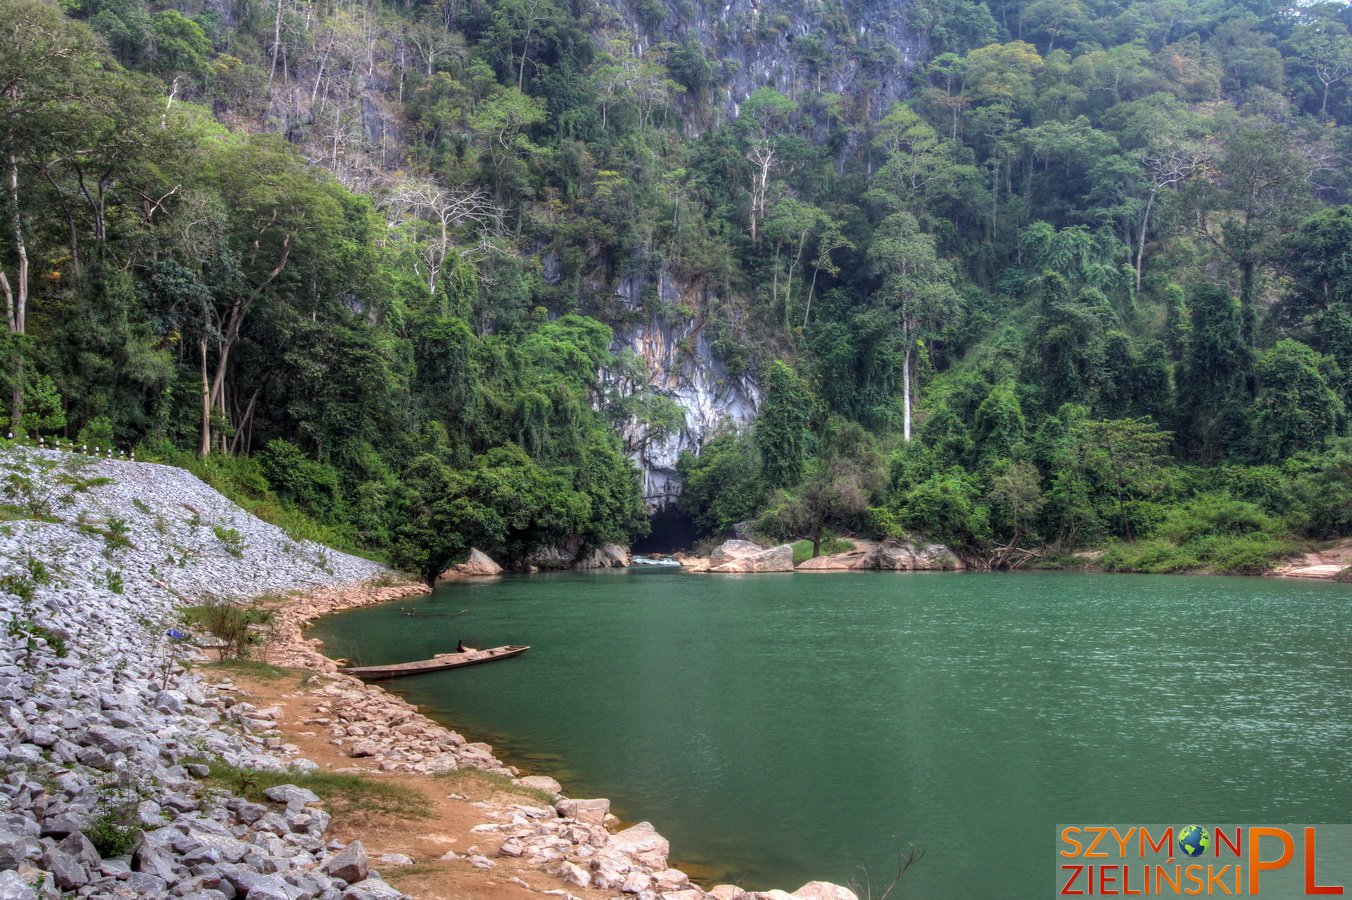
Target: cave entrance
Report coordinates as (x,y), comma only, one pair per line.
(670,530)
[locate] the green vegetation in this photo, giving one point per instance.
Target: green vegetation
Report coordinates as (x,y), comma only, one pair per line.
(252,668)
(237,627)
(461,778)
(803,550)
(343,795)
(1090,277)
(111,828)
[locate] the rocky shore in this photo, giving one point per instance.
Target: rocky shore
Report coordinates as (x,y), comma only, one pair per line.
(108,735)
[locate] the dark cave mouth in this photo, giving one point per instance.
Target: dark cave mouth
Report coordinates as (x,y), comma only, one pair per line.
(670,531)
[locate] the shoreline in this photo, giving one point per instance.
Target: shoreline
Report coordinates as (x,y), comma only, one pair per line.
(577,847)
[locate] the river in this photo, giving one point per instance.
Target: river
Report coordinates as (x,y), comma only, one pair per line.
(784,728)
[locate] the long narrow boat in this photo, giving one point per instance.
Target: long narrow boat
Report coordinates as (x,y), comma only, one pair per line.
(436,663)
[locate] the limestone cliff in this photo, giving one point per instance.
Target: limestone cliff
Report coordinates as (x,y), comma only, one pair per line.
(679,362)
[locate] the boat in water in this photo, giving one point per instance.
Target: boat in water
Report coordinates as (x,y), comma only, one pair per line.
(436,663)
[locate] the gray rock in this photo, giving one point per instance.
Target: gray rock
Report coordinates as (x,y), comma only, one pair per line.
(290,794)
(729,551)
(16,848)
(13,887)
(893,555)
(370,889)
(246,812)
(149,814)
(350,865)
(262,887)
(78,846)
(541,783)
(168,702)
(642,844)
(68,872)
(776,559)
(150,861)
(146,884)
(589,812)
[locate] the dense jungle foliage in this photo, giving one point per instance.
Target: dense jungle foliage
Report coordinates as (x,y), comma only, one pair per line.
(357,264)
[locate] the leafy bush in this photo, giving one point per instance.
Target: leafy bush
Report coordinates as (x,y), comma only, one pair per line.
(232,624)
(313,485)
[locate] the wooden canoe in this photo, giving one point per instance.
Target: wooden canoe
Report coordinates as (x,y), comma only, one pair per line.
(436,663)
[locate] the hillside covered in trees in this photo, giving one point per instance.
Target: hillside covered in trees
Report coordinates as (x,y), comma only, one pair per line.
(1011,275)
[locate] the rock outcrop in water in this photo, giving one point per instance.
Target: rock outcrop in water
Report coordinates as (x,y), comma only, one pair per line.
(893,555)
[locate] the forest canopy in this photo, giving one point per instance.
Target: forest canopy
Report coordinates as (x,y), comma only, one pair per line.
(1074,274)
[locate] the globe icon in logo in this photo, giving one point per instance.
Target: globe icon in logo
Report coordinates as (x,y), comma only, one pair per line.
(1194,839)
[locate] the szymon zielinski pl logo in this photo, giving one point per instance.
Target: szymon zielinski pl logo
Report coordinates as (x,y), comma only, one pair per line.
(1193,860)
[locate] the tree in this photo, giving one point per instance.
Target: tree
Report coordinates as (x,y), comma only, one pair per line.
(722,485)
(835,495)
(1296,409)
(278,205)
(1256,191)
(449,211)
(1325,48)
(917,286)
(782,428)
(762,116)
(919,167)
(44,61)
(1212,395)
(1016,500)
(1122,454)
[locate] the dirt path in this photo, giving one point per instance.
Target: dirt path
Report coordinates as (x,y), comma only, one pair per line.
(456,803)
(1325,563)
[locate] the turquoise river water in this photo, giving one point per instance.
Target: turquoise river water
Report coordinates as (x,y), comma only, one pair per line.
(784,728)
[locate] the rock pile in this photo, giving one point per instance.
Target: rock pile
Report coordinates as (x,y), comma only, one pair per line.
(106,737)
(103,734)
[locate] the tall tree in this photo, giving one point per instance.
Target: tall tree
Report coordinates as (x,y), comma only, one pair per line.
(918,286)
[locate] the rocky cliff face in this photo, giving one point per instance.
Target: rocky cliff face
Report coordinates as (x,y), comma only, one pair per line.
(682,365)
(860,49)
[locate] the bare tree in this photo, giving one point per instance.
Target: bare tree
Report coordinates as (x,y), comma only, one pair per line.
(1166,165)
(447,210)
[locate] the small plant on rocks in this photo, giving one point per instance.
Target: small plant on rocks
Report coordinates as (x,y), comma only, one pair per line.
(23,622)
(110,830)
(115,536)
(113,579)
(233,625)
(37,570)
(37,485)
(231,538)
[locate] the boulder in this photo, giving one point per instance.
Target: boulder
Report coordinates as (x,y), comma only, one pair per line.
(642,844)
(478,564)
(824,890)
(728,551)
(541,783)
(350,865)
(588,812)
(728,892)
(606,556)
(893,555)
(776,559)
(823,564)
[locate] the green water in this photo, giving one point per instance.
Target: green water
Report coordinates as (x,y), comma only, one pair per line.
(783,728)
